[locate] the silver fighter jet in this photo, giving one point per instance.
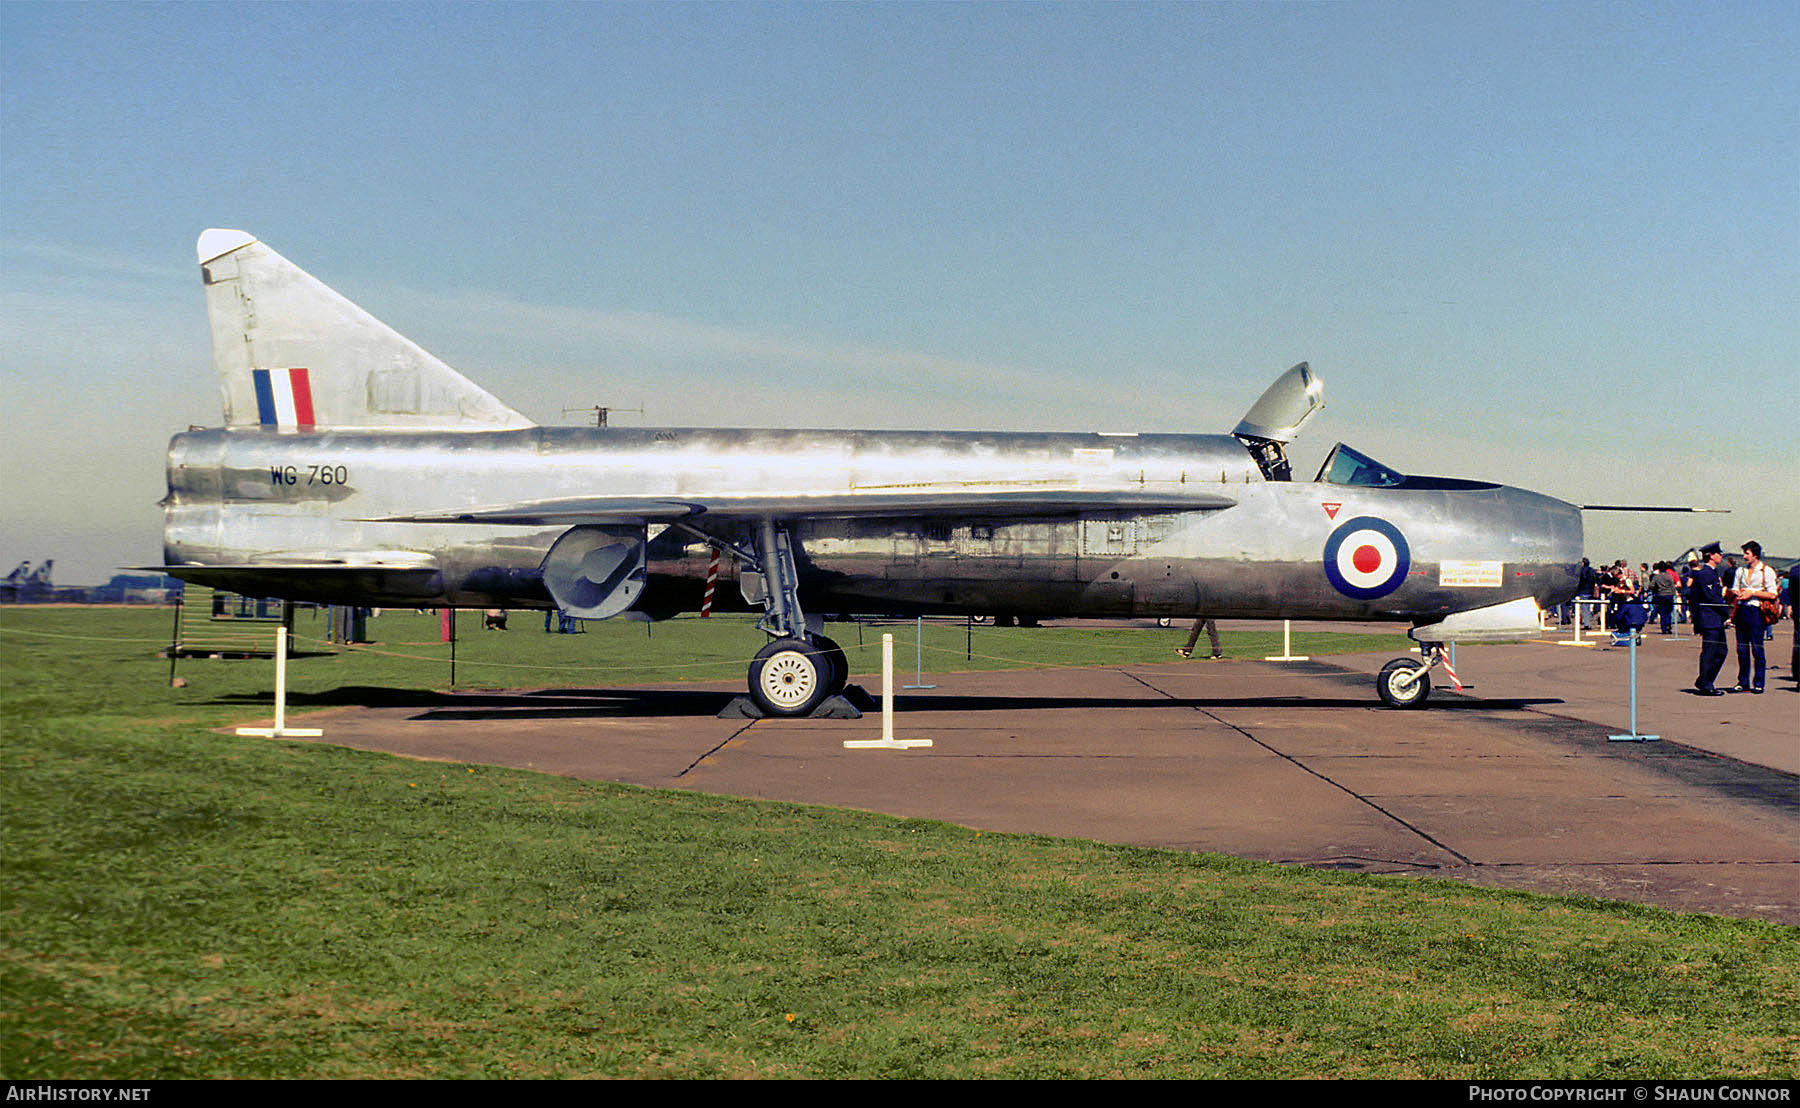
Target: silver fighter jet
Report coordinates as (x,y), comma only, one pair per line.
(355,468)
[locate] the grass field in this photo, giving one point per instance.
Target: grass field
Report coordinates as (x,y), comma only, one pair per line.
(180,902)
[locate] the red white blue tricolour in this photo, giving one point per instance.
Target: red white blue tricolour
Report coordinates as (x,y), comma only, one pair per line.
(284,399)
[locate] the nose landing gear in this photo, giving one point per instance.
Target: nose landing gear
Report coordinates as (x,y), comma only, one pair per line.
(1406,682)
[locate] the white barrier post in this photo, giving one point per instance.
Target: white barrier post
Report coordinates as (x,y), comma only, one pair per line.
(1576,641)
(280,730)
(887,688)
(1287,652)
(887,740)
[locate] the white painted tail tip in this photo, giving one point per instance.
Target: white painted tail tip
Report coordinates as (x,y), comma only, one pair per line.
(215,242)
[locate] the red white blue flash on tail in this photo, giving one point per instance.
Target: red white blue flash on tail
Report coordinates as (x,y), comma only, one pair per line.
(1366,558)
(284,399)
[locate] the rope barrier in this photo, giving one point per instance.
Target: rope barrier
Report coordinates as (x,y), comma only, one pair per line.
(162,641)
(463,660)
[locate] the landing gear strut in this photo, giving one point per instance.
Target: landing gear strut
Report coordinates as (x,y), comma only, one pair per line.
(798,669)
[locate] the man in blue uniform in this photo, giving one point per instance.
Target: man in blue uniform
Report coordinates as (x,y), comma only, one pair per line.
(1706,604)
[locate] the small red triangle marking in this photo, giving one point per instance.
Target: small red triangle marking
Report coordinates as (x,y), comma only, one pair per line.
(1331,510)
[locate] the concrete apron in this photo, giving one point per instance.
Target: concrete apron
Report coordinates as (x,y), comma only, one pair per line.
(1513,784)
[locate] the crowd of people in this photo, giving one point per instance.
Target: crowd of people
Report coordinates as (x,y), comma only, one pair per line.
(1714,591)
(1619,597)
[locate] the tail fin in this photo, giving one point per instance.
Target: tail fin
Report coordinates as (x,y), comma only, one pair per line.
(293,354)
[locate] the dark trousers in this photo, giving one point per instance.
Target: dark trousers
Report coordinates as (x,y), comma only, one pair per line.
(1712,656)
(1212,635)
(1665,612)
(1750,627)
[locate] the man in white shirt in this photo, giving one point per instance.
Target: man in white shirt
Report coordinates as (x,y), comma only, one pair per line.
(1754,583)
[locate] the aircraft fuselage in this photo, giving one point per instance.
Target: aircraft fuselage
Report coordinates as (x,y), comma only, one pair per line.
(253,498)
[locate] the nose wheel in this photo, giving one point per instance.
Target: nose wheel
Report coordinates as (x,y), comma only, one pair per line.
(1403,683)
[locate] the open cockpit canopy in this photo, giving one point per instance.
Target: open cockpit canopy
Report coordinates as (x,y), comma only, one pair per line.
(1275,418)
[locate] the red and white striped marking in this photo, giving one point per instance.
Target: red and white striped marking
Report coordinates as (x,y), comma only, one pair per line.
(712,579)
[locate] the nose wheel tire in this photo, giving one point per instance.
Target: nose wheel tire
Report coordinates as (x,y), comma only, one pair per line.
(1403,683)
(790,677)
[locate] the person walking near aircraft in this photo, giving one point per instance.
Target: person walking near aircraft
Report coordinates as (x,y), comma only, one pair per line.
(1706,603)
(1212,635)
(1754,584)
(1663,585)
(1586,585)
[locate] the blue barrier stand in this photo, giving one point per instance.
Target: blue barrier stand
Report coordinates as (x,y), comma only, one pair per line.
(1634,737)
(919,657)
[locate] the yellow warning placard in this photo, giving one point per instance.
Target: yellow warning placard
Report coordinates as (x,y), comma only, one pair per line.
(1470,575)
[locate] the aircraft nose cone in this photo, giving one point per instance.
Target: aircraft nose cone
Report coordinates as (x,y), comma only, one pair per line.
(1560,576)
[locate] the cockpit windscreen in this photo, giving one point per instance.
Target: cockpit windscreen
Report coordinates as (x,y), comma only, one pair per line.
(1344,466)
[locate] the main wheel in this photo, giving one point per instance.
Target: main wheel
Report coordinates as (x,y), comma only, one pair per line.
(789,677)
(1403,683)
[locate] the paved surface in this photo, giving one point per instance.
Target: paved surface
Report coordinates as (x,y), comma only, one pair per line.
(1513,783)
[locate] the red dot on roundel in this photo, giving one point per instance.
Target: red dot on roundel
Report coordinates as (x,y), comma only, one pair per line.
(1367,559)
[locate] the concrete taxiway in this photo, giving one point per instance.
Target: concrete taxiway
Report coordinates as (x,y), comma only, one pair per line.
(1513,783)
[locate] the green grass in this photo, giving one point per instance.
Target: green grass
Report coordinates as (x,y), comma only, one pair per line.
(184,903)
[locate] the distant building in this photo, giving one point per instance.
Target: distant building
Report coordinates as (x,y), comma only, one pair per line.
(25,585)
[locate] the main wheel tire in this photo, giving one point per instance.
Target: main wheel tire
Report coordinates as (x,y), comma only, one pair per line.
(1394,688)
(789,677)
(834,656)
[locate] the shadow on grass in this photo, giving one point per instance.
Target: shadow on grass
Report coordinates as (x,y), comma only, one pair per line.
(522,704)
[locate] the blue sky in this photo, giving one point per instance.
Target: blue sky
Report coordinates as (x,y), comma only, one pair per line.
(1556,245)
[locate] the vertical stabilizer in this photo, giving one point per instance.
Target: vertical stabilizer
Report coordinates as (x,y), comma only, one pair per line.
(292,354)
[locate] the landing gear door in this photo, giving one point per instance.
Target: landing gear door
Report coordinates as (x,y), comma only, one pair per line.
(1276,417)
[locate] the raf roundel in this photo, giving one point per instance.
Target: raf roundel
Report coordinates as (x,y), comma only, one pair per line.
(1366,558)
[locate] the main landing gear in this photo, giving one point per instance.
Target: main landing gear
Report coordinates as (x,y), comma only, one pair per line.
(1406,682)
(799,669)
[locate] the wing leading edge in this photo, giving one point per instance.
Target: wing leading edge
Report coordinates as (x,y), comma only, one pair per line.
(1021,504)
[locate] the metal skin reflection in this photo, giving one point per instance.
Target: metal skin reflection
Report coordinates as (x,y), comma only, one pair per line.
(356,468)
